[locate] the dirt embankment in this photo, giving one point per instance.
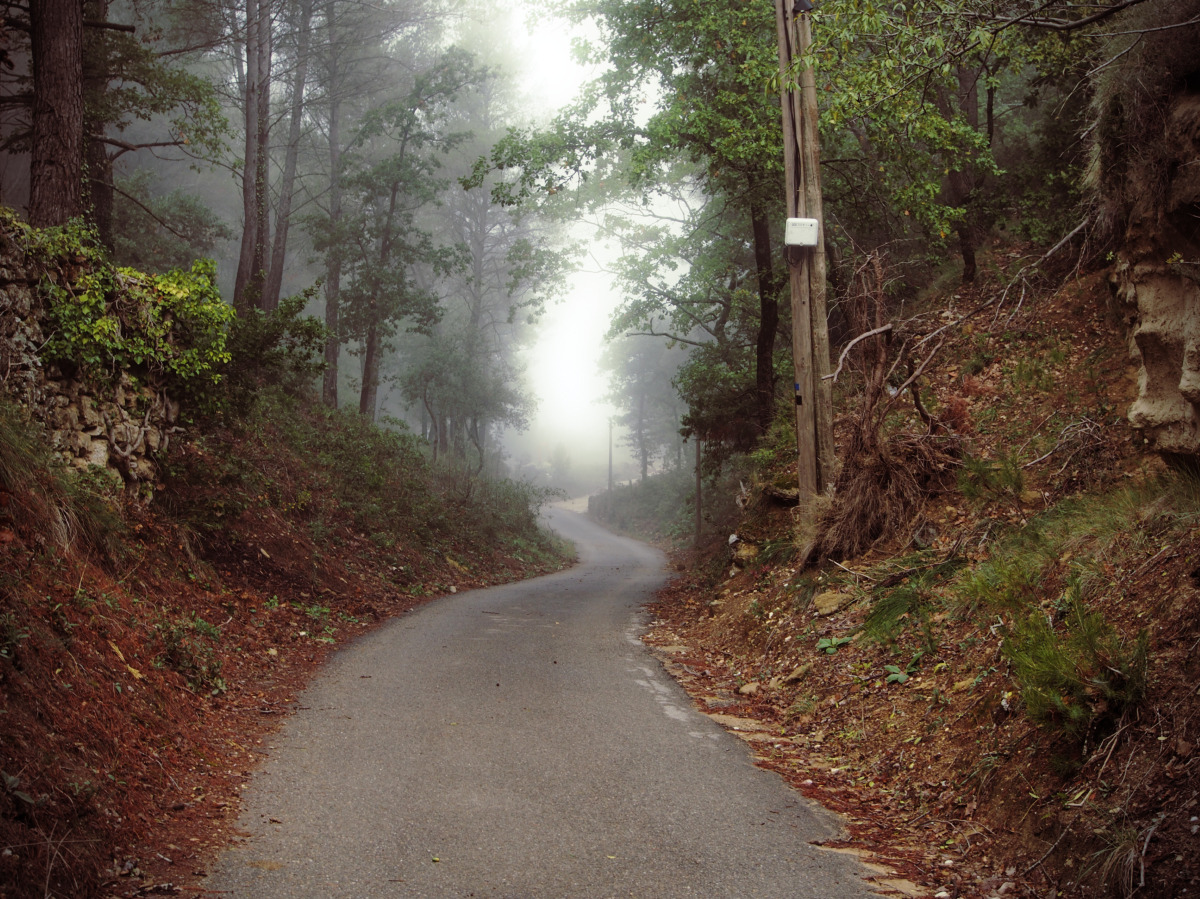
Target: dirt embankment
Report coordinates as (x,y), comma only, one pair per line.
(898,688)
(138,690)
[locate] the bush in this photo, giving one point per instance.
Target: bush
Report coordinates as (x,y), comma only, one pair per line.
(188,647)
(281,348)
(170,328)
(1080,678)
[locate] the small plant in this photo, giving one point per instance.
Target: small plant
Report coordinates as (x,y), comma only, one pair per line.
(1117,863)
(12,635)
(898,676)
(187,647)
(12,786)
(1079,680)
(829,645)
(987,479)
(803,706)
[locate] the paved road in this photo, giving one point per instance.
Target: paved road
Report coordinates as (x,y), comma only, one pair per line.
(520,742)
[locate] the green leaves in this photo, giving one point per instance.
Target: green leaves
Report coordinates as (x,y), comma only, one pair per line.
(829,645)
(169,328)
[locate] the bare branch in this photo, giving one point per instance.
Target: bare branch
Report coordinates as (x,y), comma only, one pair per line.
(127,147)
(110,26)
(846,349)
(138,203)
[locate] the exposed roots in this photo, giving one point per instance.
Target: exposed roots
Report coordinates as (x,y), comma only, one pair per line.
(881,492)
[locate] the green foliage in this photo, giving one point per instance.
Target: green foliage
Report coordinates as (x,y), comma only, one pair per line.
(188,647)
(499,509)
(830,645)
(893,609)
(660,507)
(170,329)
(988,479)
(380,475)
(1080,676)
(156,233)
(640,389)
(717,383)
(281,348)
(12,635)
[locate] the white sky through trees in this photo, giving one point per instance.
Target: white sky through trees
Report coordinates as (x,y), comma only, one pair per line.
(563,362)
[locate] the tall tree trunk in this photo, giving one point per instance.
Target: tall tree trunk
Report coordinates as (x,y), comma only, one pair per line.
(369,397)
(960,183)
(370,383)
(56,164)
(98,189)
(333,263)
(642,440)
(246,256)
(288,182)
(443,436)
(768,325)
(262,210)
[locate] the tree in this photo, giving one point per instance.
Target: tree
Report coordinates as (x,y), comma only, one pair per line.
(255,79)
(353,66)
(640,372)
(56,167)
(159,233)
(705,65)
(118,77)
(302,11)
(392,175)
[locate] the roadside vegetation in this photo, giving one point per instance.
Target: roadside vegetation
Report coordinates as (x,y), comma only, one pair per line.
(998,686)
(152,634)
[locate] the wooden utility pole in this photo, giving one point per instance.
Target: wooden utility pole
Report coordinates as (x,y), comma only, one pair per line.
(806,266)
(610,451)
(699,494)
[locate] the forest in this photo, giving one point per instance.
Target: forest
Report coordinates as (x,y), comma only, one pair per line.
(299,252)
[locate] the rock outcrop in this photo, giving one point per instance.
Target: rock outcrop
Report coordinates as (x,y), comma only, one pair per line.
(1146,179)
(1157,281)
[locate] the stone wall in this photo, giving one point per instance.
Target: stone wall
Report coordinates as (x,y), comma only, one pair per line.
(119,426)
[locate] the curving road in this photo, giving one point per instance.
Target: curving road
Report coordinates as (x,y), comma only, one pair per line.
(520,742)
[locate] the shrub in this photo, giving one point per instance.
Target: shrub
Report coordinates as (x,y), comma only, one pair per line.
(281,348)
(187,646)
(1081,677)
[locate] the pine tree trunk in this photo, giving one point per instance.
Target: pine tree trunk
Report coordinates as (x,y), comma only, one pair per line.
(370,373)
(246,256)
(333,264)
(56,165)
(262,230)
(288,182)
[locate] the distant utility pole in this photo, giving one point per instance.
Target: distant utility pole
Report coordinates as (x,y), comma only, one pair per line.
(806,264)
(610,483)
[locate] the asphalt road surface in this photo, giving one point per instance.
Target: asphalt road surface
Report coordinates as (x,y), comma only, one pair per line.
(520,742)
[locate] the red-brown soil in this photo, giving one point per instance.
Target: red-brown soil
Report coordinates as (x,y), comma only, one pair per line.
(943,778)
(138,692)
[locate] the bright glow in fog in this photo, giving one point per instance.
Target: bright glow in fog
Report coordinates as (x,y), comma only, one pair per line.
(563,364)
(564,367)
